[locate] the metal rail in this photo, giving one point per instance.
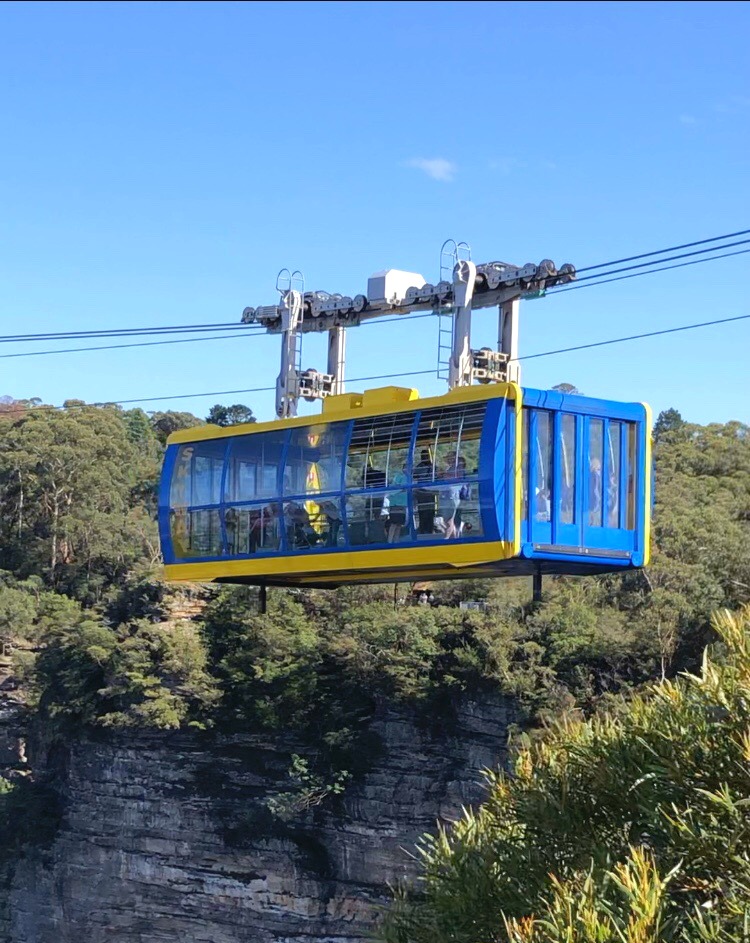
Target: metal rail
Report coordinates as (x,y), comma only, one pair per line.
(394,293)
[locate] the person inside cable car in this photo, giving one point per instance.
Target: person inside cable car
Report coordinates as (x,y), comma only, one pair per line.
(424,498)
(595,492)
(397,504)
(330,510)
(300,532)
(376,505)
(449,500)
(543,505)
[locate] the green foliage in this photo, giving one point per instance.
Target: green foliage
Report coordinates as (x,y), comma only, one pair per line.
(137,675)
(668,420)
(634,825)
(71,497)
(230,415)
(309,790)
(165,423)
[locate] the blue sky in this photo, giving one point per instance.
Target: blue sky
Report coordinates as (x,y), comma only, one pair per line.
(161,161)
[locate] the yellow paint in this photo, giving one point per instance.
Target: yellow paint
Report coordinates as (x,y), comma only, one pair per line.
(647,487)
(342,402)
(312,484)
(369,407)
(326,565)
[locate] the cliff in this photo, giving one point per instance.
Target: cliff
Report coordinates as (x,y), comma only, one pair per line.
(167,838)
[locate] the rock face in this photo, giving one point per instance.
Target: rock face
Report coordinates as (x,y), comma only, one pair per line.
(166,839)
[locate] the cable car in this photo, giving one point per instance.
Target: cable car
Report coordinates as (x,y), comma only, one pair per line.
(486,480)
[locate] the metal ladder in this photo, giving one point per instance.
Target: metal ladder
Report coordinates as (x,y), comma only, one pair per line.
(286,281)
(451,252)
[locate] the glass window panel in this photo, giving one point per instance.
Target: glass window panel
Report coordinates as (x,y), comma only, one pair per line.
(195,533)
(596,503)
(310,525)
(448,442)
(632,472)
(198,469)
(255,529)
(253,466)
(458,511)
(425,510)
(396,508)
(314,459)
(379,451)
(525,464)
(614,445)
(366,518)
(568,470)
(543,466)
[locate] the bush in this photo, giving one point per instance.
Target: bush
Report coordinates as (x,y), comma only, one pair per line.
(632,826)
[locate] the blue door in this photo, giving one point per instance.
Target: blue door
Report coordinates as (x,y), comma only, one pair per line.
(538,461)
(609,473)
(579,482)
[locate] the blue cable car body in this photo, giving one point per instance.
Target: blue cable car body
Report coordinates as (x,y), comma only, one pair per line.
(383,486)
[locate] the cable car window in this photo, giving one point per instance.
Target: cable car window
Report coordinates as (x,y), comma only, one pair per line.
(196,533)
(310,525)
(196,478)
(253,466)
(525,465)
(568,478)
(448,442)
(379,451)
(632,471)
(314,460)
(543,466)
(457,511)
(366,518)
(596,442)
(614,446)
(253,529)
(396,507)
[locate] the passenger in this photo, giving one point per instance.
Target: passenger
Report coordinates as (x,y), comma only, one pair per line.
(542,512)
(397,503)
(595,493)
(423,497)
(376,505)
(613,499)
(299,529)
(464,494)
(255,531)
(332,515)
(230,524)
(449,500)
(275,519)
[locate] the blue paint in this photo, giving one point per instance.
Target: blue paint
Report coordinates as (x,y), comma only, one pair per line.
(586,544)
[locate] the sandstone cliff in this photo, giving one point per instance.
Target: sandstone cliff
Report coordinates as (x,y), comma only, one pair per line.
(166,838)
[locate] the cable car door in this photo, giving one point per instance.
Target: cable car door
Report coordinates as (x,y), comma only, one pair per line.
(608,495)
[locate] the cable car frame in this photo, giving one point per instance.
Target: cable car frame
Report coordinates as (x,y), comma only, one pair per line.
(489,479)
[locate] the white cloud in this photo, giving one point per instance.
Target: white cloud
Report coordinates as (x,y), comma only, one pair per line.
(688,119)
(436,167)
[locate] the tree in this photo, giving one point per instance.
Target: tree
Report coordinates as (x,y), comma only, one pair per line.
(634,825)
(668,420)
(165,423)
(67,483)
(566,388)
(230,415)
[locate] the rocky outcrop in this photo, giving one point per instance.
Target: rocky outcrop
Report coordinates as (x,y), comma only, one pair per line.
(168,838)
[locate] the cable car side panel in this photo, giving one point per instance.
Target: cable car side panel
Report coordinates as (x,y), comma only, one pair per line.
(330,507)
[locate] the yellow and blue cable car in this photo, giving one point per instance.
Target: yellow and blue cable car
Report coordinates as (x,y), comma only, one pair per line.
(383,486)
